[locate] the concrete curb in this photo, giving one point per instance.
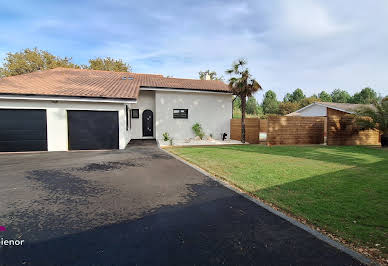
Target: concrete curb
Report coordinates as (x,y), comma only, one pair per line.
(302,226)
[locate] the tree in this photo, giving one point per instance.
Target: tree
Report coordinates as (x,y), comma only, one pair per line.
(108,64)
(375,118)
(30,60)
(243,85)
(297,96)
(252,106)
(365,96)
(237,103)
(270,103)
(211,74)
(287,97)
(308,101)
(340,96)
(324,96)
(288,107)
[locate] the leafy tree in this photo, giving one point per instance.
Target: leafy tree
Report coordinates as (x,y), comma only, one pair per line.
(324,96)
(294,97)
(108,64)
(288,107)
(340,96)
(375,118)
(287,97)
(259,110)
(212,75)
(365,96)
(308,101)
(30,60)
(237,103)
(252,106)
(270,103)
(243,85)
(297,96)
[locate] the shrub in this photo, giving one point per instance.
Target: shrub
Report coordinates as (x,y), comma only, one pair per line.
(166,137)
(197,128)
(171,141)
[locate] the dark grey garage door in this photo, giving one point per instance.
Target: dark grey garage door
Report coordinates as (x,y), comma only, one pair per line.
(23,130)
(93,130)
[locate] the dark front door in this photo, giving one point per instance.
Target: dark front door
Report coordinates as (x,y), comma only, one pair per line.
(148,123)
(23,130)
(93,130)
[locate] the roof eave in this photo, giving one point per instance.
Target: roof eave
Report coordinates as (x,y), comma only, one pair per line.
(45,97)
(183,89)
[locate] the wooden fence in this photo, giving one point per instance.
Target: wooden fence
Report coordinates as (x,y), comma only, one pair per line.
(341,130)
(252,129)
(292,130)
(281,130)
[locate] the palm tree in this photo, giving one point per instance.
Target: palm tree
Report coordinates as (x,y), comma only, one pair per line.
(242,85)
(375,118)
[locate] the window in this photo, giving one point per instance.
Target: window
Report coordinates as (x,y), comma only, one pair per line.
(126,116)
(135,113)
(181,113)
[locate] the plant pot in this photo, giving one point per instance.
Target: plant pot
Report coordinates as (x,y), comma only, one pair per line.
(384,141)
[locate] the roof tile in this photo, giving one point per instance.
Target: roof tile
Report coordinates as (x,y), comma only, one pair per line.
(98,83)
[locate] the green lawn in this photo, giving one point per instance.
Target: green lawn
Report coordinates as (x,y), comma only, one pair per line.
(343,190)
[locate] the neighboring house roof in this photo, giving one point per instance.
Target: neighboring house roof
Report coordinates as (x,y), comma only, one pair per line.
(98,83)
(344,107)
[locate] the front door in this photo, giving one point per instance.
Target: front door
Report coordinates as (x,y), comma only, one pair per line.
(148,123)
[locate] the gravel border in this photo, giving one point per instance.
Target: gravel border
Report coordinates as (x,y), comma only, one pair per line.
(304,227)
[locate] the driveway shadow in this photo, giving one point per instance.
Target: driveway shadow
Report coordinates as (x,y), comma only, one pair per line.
(217,226)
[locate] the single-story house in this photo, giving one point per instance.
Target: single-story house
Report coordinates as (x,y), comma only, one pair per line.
(339,128)
(320,108)
(75,109)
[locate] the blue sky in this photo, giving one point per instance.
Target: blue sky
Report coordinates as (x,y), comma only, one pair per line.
(310,44)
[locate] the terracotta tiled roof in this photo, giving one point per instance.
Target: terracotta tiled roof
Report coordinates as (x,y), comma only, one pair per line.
(96,83)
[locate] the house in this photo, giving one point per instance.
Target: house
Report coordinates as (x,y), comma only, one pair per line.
(75,109)
(339,127)
(321,108)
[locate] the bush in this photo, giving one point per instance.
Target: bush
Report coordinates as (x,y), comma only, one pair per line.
(198,131)
(166,137)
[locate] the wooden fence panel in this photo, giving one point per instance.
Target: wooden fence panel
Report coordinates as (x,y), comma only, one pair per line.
(292,130)
(252,126)
(341,131)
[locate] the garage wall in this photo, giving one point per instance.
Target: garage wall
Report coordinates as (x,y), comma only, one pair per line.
(212,110)
(145,101)
(57,136)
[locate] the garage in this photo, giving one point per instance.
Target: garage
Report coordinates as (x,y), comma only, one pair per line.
(93,130)
(23,130)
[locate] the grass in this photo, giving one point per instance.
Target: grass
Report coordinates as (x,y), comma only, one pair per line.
(343,190)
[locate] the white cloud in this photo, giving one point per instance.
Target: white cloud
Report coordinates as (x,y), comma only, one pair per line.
(308,18)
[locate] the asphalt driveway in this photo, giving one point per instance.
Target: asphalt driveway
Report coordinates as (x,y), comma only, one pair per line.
(139,206)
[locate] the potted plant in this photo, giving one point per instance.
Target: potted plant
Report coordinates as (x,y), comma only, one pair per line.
(198,131)
(166,138)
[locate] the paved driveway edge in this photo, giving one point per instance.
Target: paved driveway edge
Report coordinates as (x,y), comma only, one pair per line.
(304,227)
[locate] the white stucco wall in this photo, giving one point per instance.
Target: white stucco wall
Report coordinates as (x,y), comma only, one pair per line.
(57,134)
(145,101)
(314,110)
(212,110)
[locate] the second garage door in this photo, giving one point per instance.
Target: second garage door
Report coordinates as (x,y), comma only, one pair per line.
(93,130)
